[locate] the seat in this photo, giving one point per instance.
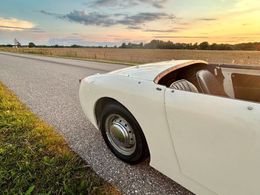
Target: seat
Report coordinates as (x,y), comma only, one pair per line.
(184,85)
(209,84)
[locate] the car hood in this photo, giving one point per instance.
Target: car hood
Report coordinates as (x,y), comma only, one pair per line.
(152,71)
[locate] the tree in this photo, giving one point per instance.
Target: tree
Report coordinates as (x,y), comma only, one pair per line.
(123,45)
(204,45)
(75,46)
(31,44)
(17,43)
(214,46)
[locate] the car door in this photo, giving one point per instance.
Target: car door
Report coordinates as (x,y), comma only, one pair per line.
(217,140)
(242,83)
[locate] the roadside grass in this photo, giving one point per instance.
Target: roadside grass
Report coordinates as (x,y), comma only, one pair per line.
(34,159)
(67,55)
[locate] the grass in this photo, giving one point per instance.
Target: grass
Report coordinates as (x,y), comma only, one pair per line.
(140,56)
(34,159)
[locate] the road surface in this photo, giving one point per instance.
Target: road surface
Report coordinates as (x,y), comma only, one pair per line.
(49,86)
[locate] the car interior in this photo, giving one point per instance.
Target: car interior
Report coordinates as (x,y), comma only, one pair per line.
(209,79)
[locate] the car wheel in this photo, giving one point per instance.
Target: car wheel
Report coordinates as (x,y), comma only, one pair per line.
(123,134)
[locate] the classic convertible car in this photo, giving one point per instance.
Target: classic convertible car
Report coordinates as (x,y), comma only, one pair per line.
(198,122)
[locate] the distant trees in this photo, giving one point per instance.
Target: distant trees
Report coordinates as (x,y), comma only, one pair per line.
(75,46)
(8,45)
(123,45)
(248,46)
(156,44)
(132,45)
(31,44)
(159,44)
(204,46)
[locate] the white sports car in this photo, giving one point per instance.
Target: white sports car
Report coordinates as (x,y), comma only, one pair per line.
(199,123)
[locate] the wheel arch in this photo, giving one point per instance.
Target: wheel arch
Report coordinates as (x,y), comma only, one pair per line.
(102,102)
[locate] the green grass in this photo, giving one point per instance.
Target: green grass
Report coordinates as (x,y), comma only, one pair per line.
(34,159)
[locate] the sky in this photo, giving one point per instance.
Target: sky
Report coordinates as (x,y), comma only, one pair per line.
(112,22)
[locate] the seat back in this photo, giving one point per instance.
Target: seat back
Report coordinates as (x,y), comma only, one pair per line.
(209,84)
(184,85)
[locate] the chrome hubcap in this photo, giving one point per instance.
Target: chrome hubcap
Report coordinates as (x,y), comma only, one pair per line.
(120,134)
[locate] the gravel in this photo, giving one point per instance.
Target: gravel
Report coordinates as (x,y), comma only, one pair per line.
(49,86)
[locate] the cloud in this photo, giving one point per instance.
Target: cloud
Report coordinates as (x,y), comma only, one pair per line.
(142,18)
(102,3)
(13,24)
(134,27)
(92,18)
(155,3)
(107,20)
(38,30)
(164,30)
(180,37)
(12,28)
(207,19)
(126,3)
(50,14)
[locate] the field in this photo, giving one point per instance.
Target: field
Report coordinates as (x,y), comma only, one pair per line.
(139,56)
(34,159)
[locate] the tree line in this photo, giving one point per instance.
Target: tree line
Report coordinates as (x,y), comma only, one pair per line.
(33,45)
(159,44)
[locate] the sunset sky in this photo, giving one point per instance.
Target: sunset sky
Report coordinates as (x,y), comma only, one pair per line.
(111,22)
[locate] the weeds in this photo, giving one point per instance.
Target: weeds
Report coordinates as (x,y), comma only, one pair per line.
(35,159)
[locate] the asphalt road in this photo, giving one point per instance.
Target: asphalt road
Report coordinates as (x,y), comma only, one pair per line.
(49,86)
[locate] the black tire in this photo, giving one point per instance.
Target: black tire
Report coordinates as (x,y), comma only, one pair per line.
(141,149)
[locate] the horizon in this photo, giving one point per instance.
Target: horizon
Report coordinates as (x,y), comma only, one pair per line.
(107,22)
(127,43)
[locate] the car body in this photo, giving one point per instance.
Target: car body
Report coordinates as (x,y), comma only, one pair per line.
(207,141)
